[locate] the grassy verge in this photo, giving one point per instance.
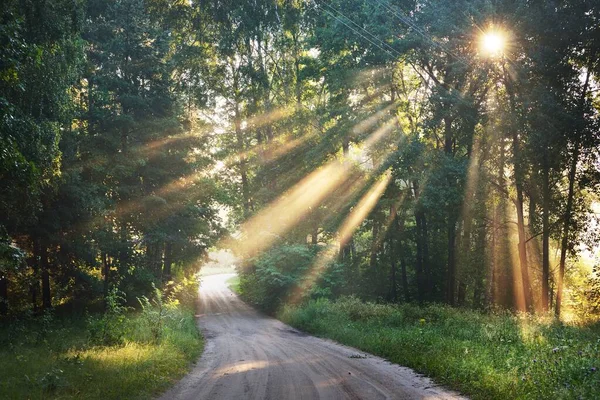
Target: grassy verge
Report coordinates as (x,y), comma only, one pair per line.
(51,358)
(498,356)
(234,284)
(216,270)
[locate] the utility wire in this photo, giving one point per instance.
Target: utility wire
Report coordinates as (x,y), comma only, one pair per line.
(406,20)
(376,38)
(403,18)
(351,28)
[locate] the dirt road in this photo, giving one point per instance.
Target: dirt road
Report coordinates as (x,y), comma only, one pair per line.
(251,356)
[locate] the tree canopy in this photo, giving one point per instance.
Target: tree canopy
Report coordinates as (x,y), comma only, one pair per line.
(432,151)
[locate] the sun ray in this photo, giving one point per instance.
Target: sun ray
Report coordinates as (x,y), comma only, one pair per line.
(371,121)
(263,229)
(257,121)
(272,151)
(344,233)
(517,281)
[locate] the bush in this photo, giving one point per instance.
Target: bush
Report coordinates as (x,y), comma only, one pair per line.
(275,274)
(185,291)
(268,280)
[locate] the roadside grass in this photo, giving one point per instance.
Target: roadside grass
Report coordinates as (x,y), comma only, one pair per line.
(55,358)
(234,284)
(208,270)
(485,356)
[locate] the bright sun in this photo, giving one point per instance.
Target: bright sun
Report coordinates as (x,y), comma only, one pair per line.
(492,43)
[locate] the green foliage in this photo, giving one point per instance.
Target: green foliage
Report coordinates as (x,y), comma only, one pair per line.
(184,292)
(154,314)
(268,280)
(109,328)
(103,157)
(485,356)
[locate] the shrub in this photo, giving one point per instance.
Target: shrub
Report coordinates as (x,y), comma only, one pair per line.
(153,314)
(185,291)
(268,280)
(110,327)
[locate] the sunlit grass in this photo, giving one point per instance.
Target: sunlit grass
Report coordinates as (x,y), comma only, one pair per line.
(217,269)
(486,356)
(57,361)
(234,284)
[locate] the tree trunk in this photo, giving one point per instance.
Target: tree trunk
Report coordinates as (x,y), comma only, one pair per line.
(393,283)
(374,246)
(3,293)
(243,167)
(465,256)
(462,293)
(34,265)
(404,280)
(400,249)
(491,291)
(168,261)
(298,83)
(451,262)
(569,209)
(426,269)
(451,243)
(545,234)
(123,253)
(419,267)
(46,294)
(524,266)
(477,296)
(105,274)
(519,176)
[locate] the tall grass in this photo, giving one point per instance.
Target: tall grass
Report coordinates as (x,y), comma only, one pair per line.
(497,356)
(61,359)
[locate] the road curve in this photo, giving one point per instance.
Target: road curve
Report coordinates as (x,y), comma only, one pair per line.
(251,356)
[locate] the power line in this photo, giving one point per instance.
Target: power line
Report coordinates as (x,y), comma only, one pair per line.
(403,18)
(367,32)
(406,20)
(351,28)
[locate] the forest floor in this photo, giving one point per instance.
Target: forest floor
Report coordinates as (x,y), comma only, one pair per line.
(51,357)
(251,356)
(485,356)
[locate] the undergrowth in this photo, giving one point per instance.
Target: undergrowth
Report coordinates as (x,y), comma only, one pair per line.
(120,354)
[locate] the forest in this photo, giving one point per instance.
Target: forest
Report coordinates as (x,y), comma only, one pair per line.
(394,153)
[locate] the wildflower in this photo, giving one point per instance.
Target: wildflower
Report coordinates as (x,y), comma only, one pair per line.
(555,350)
(422,320)
(593,369)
